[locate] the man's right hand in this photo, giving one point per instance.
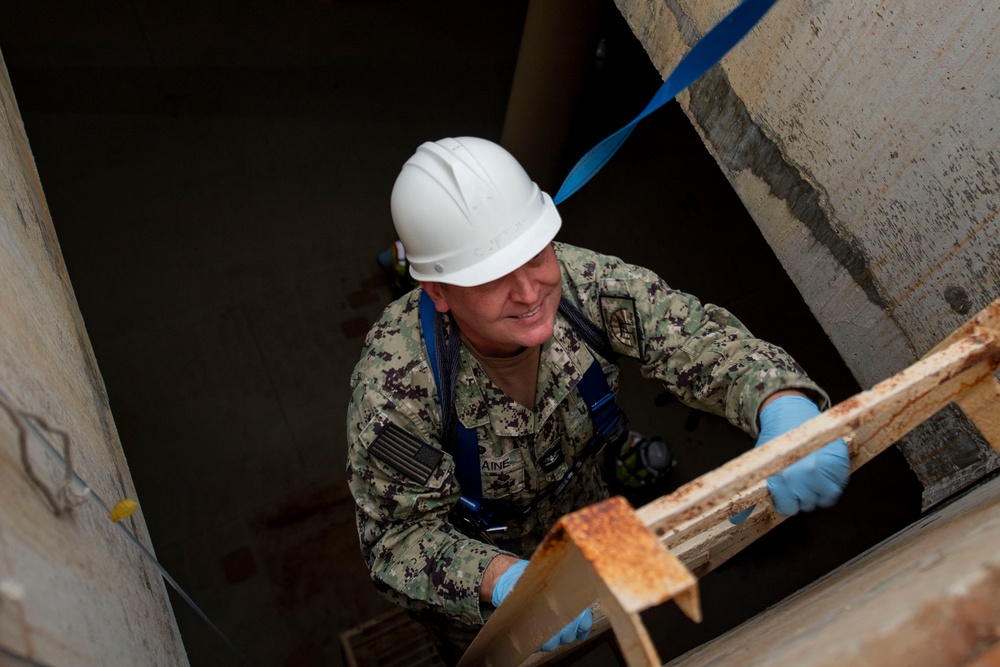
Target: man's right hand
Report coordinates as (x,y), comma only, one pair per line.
(577,630)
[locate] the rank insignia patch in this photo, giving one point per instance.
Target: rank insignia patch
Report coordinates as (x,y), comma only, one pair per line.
(552,459)
(620,323)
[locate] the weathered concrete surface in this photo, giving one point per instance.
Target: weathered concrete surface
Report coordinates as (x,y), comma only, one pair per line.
(928,596)
(73,589)
(862,138)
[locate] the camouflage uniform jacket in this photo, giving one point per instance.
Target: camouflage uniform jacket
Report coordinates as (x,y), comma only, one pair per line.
(701,353)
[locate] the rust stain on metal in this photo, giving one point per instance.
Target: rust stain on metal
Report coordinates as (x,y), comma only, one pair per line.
(688,489)
(626,555)
(988,355)
(846,406)
(893,423)
(988,352)
(595,523)
(678,497)
(553,542)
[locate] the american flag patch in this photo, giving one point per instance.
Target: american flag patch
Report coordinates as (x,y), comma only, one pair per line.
(406,453)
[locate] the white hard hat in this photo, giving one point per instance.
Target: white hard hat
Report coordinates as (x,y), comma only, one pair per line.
(467,212)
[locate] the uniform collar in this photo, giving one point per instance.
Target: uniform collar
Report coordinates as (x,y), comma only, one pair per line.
(563,360)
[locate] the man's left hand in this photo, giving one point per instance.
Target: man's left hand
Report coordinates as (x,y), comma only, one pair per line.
(816,480)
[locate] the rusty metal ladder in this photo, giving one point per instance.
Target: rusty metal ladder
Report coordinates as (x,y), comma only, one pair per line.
(631,560)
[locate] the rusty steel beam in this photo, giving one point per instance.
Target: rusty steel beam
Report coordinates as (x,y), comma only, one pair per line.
(692,523)
(600,552)
(704,551)
(726,490)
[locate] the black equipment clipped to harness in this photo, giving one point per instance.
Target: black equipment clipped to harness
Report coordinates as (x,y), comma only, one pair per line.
(642,461)
(486,520)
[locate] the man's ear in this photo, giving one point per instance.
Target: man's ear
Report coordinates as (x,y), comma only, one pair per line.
(436,293)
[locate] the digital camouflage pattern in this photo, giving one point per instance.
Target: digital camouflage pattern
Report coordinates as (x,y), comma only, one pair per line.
(701,353)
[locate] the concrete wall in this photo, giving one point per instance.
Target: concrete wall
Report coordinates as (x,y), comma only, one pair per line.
(74,590)
(218,175)
(862,137)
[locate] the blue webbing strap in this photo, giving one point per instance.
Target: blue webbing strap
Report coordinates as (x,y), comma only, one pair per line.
(466,449)
(609,422)
(594,389)
(709,50)
(427,326)
(600,401)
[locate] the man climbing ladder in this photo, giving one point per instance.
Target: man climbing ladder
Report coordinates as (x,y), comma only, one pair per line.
(511,368)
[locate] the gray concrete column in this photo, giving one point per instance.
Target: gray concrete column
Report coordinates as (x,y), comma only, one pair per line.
(558,42)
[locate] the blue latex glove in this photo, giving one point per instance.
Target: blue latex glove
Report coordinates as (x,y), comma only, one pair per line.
(814,481)
(576,630)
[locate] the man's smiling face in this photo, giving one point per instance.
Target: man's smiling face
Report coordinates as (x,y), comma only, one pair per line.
(504,316)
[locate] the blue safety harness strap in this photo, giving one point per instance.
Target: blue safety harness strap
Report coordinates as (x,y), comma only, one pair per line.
(466,443)
(609,423)
(709,50)
(600,400)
